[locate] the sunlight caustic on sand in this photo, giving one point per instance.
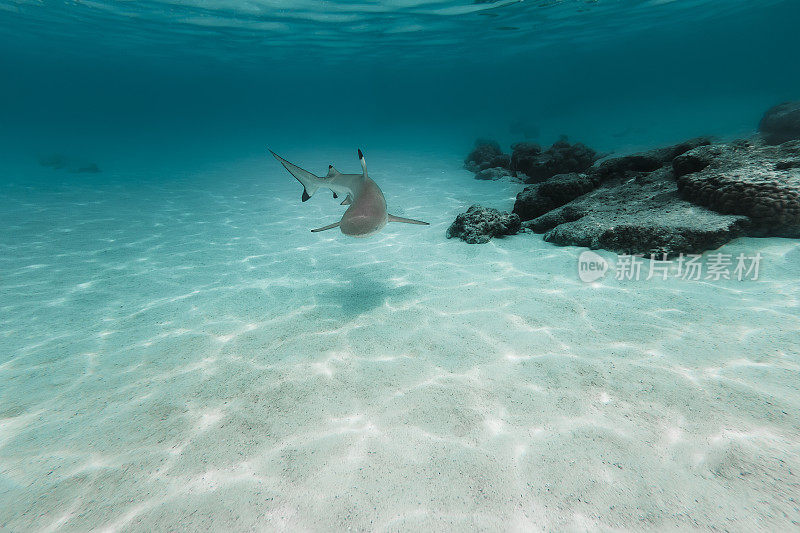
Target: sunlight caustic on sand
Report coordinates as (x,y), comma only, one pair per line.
(217,355)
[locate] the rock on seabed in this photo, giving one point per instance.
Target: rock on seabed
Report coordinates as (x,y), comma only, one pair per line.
(479,224)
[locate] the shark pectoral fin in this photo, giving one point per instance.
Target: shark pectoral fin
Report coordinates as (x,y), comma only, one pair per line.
(346,201)
(323,228)
(393,218)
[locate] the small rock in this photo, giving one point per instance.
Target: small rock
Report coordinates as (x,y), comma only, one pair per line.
(479,224)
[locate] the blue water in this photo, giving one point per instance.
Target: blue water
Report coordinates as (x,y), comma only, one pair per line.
(237,76)
(178,351)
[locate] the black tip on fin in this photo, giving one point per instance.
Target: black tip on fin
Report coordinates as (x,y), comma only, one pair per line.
(335,195)
(305,195)
(360,155)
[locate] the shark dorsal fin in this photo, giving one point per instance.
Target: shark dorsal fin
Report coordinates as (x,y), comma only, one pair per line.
(363,163)
(332,172)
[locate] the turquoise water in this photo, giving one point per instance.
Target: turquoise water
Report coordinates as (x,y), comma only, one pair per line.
(179,352)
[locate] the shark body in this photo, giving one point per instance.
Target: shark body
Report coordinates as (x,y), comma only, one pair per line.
(366,213)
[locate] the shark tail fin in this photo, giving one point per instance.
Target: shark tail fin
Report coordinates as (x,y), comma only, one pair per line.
(309,181)
(393,218)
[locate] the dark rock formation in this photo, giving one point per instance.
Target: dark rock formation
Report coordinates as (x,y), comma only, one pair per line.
(540,198)
(524,155)
(694,160)
(742,178)
(561,158)
(686,198)
(700,200)
(644,161)
(642,215)
(479,224)
(781,123)
(486,154)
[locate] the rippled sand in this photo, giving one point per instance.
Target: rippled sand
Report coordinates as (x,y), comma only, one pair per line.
(181,352)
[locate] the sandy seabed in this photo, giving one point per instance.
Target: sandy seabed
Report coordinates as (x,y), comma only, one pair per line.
(180,352)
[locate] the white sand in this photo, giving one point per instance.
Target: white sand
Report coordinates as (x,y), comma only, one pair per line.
(182,353)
